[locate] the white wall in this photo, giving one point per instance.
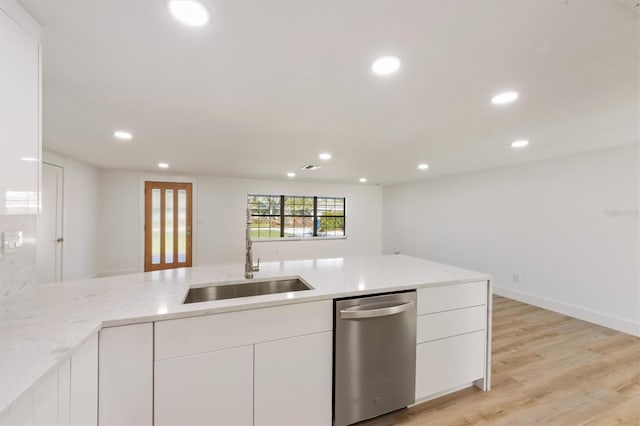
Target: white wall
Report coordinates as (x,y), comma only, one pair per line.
(561,234)
(219,220)
(80,216)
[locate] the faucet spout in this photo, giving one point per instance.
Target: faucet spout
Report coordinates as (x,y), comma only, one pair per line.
(249,267)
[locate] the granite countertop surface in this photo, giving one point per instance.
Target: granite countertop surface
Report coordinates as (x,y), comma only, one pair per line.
(41,327)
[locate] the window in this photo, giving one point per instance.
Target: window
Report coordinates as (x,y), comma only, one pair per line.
(295,216)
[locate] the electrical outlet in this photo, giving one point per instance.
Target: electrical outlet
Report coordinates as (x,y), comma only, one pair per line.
(516,278)
(11,242)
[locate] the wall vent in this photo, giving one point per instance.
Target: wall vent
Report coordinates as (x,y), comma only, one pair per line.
(311,167)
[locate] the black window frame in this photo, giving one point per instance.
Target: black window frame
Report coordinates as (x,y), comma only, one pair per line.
(316,219)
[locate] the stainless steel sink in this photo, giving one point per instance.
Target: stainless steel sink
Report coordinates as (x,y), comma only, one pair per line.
(245,289)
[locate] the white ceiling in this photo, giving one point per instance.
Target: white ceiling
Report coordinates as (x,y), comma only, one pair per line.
(269,84)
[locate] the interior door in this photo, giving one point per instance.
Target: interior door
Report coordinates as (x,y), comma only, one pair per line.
(167,225)
(49,242)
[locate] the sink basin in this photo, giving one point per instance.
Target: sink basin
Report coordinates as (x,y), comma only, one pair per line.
(245,289)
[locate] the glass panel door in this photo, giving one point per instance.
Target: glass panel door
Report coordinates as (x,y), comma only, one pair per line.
(167,225)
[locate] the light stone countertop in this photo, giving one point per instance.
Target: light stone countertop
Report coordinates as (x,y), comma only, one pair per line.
(42,327)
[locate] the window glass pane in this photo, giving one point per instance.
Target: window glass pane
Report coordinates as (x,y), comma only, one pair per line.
(297,226)
(298,215)
(168,226)
(182,225)
(331,226)
(307,226)
(155,226)
(331,217)
(298,206)
(265,227)
(289,205)
(330,206)
(262,205)
(256,226)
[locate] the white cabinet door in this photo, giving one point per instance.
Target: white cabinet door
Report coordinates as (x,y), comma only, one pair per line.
(19,118)
(45,401)
(21,413)
(126,375)
(445,364)
(64,393)
(293,381)
(84,384)
(213,388)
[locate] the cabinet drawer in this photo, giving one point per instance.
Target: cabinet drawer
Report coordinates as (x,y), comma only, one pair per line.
(282,369)
(188,336)
(451,323)
(125,375)
(213,389)
(448,363)
(455,296)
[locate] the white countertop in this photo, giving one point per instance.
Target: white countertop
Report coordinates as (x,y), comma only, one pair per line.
(41,328)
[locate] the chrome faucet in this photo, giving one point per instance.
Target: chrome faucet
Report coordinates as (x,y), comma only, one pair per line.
(249,267)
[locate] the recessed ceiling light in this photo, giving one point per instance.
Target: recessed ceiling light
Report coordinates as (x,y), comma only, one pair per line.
(163,165)
(385,65)
(363,180)
(325,156)
(519,143)
(423,166)
(189,12)
(28,159)
(504,98)
(121,134)
(291,174)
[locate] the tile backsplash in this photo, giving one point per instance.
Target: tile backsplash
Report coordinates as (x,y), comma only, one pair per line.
(18,269)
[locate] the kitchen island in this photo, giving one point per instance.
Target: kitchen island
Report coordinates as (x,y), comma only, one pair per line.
(57,339)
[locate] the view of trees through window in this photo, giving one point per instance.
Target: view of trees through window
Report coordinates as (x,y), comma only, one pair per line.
(281,216)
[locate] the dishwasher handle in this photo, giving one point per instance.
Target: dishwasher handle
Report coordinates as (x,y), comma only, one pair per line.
(354,313)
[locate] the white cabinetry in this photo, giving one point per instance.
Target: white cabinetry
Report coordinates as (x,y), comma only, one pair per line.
(293,381)
(453,338)
(64,393)
(207,333)
(20,413)
(19,110)
(126,375)
(84,384)
(204,367)
(214,388)
(45,401)
(445,364)
(67,395)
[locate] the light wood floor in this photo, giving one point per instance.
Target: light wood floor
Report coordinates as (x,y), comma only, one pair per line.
(548,369)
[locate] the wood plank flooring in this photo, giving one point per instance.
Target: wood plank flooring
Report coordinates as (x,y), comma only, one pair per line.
(548,369)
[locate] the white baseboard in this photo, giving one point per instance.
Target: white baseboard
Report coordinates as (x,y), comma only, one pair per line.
(598,318)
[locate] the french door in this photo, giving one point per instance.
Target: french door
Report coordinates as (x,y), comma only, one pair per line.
(167,225)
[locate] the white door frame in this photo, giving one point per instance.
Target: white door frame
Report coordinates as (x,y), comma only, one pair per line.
(45,245)
(194,203)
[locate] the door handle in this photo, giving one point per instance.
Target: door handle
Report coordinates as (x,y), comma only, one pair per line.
(60,240)
(354,313)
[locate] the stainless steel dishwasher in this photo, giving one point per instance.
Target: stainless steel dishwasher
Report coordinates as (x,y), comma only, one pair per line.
(374,356)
